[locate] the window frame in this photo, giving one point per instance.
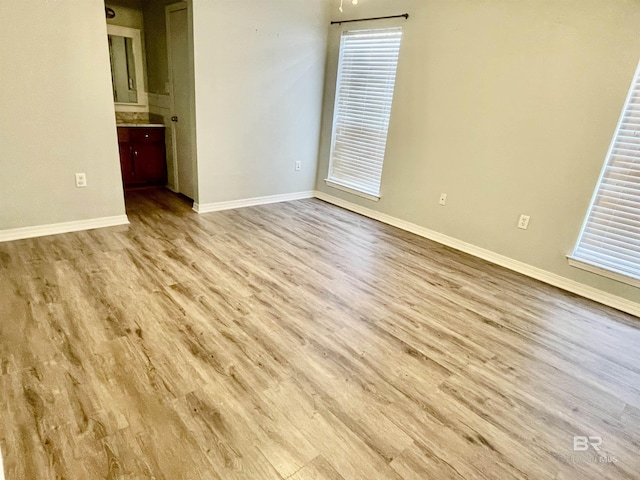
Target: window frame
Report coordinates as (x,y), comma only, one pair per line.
(594,267)
(331,180)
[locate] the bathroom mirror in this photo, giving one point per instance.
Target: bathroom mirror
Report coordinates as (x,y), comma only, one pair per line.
(127,75)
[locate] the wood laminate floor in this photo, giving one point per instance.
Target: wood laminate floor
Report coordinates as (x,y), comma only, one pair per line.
(300,341)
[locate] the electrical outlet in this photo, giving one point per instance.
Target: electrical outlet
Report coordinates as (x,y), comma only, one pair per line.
(443,199)
(298,166)
(81,180)
(523,222)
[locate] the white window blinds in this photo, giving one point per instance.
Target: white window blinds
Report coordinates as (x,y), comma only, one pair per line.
(364,93)
(610,238)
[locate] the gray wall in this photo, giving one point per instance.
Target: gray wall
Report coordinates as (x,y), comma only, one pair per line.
(509,108)
(56,114)
(259,68)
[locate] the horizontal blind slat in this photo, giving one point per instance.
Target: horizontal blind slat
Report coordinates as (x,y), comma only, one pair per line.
(608,263)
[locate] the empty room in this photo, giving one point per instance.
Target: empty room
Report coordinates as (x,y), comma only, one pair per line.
(319,239)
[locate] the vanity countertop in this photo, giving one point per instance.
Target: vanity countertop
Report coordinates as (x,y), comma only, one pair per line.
(133,124)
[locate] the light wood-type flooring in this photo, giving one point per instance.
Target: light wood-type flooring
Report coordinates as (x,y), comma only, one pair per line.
(300,341)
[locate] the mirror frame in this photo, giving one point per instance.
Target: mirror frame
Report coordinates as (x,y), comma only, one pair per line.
(143,98)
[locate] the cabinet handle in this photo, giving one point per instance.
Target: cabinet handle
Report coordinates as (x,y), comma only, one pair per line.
(133,162)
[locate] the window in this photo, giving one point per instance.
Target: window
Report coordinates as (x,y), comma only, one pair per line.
(364,93)
(609,243)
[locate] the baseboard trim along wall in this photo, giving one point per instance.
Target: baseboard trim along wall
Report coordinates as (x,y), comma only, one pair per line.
(57,228)
(251,202)
(569,285)
(544,276)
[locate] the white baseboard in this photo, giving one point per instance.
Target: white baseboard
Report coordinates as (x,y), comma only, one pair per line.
(56,228)
(250,202)
(544,276)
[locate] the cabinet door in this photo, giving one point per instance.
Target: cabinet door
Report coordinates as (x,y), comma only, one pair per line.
(149,164)
(128,177)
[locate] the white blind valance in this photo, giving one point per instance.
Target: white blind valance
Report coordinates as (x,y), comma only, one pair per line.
(364,94)
(610,238)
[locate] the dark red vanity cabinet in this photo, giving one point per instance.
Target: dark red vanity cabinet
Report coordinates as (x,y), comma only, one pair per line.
(142,156)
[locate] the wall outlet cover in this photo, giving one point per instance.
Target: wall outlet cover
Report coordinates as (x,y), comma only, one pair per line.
(81,180)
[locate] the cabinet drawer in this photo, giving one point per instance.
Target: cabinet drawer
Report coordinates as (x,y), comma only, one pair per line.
(146,135)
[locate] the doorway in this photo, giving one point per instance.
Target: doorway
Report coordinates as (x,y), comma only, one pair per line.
(160,114)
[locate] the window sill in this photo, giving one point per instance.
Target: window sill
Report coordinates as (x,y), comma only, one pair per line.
(345,188)
(589,267)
